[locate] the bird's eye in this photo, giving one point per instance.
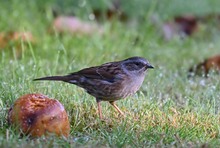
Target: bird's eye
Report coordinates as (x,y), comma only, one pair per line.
(137,64)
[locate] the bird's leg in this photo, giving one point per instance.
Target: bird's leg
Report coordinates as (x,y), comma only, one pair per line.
(99,108)
(116,107)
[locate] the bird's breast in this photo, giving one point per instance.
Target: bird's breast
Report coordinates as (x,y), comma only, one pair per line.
(131,86)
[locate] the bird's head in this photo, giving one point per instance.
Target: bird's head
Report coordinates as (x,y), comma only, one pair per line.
(136,65)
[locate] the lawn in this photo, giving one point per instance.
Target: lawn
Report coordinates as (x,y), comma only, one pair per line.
(170,110)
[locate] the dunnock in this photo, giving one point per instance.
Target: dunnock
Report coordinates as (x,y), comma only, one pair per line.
(110,81)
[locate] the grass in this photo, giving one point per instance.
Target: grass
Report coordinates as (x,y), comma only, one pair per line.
(170,110)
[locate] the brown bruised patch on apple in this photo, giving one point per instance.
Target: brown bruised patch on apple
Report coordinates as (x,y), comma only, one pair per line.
(212,63)
(38,115)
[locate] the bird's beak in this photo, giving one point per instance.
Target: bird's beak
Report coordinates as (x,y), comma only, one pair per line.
(149,66)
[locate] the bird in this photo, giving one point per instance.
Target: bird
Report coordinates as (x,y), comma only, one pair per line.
(110,81)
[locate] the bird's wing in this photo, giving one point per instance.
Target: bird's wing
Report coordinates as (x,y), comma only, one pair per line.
(104,72)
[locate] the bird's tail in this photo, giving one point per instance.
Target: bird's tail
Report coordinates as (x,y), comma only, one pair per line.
(53,78)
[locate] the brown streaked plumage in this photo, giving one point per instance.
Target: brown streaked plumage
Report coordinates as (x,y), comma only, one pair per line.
(110,81)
